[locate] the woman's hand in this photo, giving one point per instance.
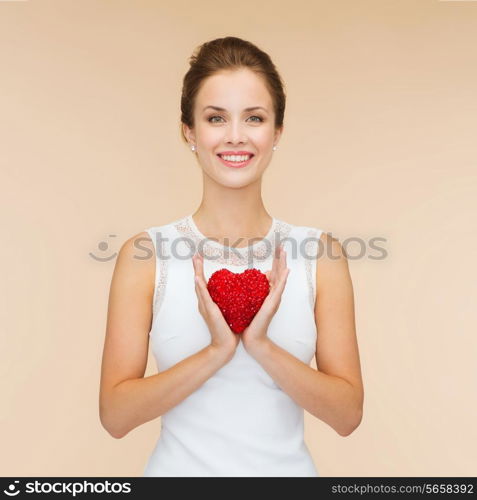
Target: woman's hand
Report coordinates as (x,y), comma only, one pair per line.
(223,338)
(256,332)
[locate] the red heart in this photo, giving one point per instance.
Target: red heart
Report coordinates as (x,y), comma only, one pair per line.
(238,295)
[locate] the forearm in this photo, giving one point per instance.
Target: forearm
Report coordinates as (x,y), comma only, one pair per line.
(331,399)
(136,401)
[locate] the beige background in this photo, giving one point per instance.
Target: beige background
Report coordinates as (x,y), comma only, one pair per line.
(379,142)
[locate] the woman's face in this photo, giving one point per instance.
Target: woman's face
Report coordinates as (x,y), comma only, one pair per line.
(233,128)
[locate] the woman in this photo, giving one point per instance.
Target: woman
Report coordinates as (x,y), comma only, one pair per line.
(231,402)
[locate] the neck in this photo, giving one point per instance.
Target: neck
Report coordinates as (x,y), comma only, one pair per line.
(232,213)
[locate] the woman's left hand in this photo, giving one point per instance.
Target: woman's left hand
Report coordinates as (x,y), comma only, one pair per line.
(256,332)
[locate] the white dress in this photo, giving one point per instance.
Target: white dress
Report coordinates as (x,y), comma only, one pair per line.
(239,422)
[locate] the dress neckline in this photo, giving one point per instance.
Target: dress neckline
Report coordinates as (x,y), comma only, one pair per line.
(199,235)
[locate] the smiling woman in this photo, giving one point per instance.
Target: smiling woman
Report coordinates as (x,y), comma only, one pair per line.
(231,402)
(237,109)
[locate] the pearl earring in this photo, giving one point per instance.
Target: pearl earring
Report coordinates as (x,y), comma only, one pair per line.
(193,148)
(274,148)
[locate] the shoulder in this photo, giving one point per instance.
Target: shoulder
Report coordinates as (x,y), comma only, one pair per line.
(331,248)
(138,248)
(332,262)
(136,260)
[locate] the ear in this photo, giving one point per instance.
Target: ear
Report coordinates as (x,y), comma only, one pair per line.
(278,133)
(188,133)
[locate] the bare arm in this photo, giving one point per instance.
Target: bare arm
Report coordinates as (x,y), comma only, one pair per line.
(334,392)
(126,398)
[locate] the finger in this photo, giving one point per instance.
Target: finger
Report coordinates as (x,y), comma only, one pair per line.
(196,269)
(198,280)
(278,290)
(276,260)
(280,263)
(200,267)
(200,302)
(200,274)
(202,284)
(283,260)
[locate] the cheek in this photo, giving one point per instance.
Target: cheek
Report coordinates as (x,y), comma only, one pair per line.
(264,144)
(206,134)
(211,140)
(262,138)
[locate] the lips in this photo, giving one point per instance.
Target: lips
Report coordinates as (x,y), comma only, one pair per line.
(239,153)
(220,155)
(235,164)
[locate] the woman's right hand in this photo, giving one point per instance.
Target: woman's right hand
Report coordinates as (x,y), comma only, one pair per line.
(223,338)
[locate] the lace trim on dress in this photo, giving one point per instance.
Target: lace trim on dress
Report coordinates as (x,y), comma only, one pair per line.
(311,252)
(233,256)
(162,278)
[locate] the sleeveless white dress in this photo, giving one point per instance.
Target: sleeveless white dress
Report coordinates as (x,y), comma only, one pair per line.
(239,422)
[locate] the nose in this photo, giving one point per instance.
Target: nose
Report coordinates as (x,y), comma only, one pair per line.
(235,133)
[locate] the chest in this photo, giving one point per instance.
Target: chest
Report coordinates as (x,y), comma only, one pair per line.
(179,330)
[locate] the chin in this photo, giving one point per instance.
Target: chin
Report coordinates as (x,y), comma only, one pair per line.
(237,183)
(237,180)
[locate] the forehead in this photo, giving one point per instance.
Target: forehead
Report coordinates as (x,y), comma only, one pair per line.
(237,88)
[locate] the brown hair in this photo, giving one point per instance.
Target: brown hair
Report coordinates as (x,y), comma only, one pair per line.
(224,54)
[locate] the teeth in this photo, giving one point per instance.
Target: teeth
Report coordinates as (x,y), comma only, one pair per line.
(235,157)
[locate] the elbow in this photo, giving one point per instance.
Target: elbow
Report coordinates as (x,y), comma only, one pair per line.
(354,417)
(108,424)
(115,434)
(112,431)
(353,424)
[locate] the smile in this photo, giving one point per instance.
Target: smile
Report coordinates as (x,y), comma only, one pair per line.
(236,161)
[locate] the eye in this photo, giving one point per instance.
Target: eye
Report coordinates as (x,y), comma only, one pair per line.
(210,119)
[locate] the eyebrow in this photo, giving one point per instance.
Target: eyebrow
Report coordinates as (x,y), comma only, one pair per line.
(253,108)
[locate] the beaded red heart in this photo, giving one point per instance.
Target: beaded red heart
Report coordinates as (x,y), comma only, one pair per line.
(238,295)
